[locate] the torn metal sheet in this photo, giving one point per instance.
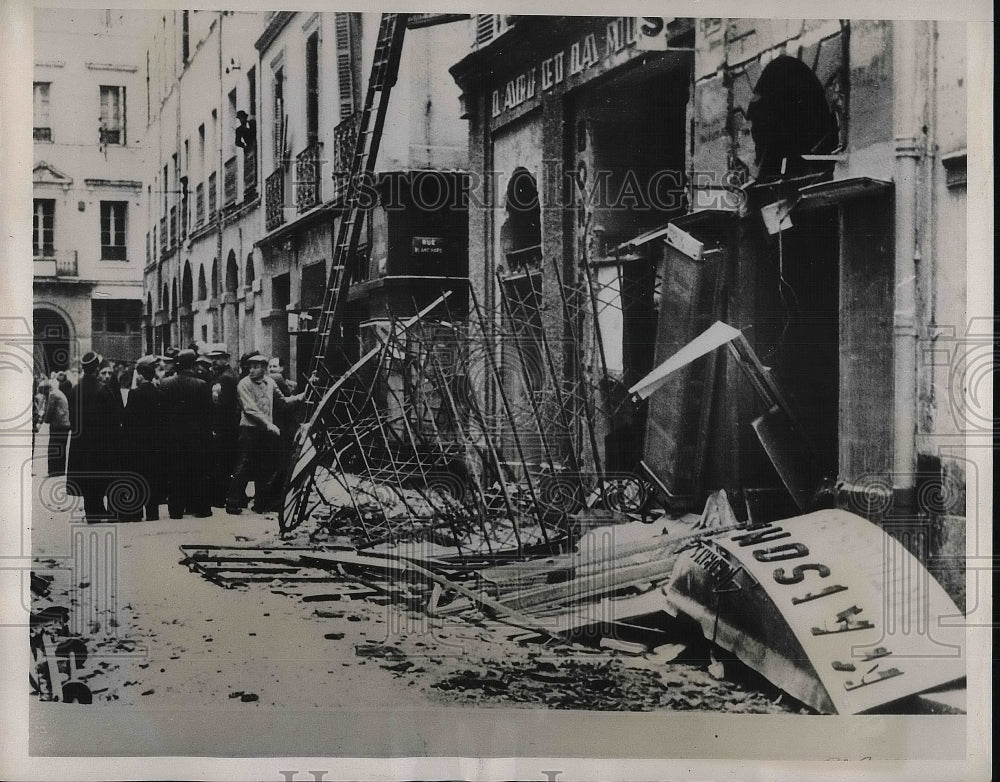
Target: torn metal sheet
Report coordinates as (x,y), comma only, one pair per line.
(827,606)
(715,336)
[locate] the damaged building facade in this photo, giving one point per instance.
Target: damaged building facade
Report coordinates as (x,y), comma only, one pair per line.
(802,181)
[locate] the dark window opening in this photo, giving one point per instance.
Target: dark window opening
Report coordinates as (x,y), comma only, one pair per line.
(521,233)
(313,286)
(232,273)
(790,117)
(185,37)
(202,287)
(187,287)
(312,89)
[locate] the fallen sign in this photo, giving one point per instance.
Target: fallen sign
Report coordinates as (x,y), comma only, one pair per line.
(827,606)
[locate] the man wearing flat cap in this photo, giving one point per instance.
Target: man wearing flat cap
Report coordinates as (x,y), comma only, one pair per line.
(95,425)
(143,433)
(188,415)
(259,396)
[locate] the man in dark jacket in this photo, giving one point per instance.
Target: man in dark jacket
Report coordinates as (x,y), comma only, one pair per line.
(143,433)
(225,423)
(95,424)
(188,415)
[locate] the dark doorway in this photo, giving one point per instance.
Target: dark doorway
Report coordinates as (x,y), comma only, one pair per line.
(52,334)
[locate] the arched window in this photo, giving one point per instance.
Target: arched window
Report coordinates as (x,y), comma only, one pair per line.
(187,287)
(149,305)
(790,117)
(521,233)
(232,273)
(173,299)
(165,297)
(215,277)
(249,276)
(202,287)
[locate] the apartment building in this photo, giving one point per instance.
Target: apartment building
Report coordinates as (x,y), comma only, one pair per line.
(252,125)
(88,206)
(315,69)
(203,197)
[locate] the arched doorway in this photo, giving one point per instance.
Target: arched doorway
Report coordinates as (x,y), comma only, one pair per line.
(52,340)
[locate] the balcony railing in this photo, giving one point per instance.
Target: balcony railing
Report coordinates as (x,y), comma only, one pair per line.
(199,204)
(42,134)
(55,263)
(163,235)
(173,226)
(307,177)
(229,182)
(345,137)
(274,199)
(250,174)
(213,191)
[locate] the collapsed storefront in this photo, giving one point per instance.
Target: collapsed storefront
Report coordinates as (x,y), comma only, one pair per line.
(743,174)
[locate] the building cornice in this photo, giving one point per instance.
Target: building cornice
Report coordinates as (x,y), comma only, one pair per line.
(108,66)
(275,26)
(120,184)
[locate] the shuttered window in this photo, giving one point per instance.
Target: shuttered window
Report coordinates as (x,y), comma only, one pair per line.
(112,130)
(347,63)
(312,89)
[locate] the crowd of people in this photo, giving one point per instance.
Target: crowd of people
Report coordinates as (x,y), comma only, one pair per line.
(184,429)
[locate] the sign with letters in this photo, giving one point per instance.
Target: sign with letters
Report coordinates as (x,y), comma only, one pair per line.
(593,53)
(828,606)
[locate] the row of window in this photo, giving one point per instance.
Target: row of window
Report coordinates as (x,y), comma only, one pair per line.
(113,230)
(111,120)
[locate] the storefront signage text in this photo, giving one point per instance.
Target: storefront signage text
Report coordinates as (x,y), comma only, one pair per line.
(619,34)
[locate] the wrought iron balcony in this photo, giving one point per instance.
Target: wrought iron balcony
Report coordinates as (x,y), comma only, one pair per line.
(163,235)
(55,263)
(345,137)
(42,134)
(249,173)
(229,182)
(307,177)
(274,199)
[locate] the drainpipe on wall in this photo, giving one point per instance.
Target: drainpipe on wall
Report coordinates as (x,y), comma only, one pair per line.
(909,150)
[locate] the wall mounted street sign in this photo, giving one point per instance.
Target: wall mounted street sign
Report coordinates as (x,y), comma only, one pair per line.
(827,606)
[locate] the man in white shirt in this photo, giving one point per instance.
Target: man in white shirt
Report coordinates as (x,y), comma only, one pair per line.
(258,395)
